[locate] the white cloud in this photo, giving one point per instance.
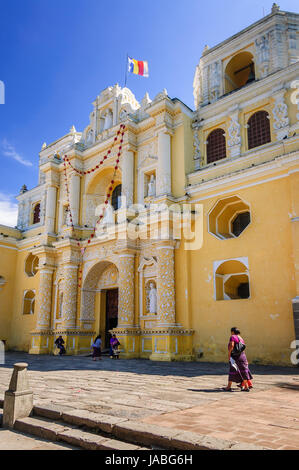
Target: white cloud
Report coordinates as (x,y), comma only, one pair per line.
(8,210)
(9,151)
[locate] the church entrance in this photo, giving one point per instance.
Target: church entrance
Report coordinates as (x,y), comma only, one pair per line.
(111,313)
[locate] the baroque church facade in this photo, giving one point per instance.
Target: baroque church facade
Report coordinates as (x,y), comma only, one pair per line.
(190,226)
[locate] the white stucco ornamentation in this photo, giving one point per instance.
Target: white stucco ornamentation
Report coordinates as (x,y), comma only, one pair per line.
(234,140)
(197,153)
(262,48)
(164,164)
(109,278)
(44,299)
(280,114)
(215,80)
(166,293)
(126,290)
(128,177)
(197,88)
(69,307)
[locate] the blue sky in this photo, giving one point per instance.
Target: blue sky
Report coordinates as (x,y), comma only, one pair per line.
(57,55)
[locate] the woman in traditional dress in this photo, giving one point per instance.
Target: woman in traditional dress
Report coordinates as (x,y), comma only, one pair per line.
(238,365)
(114,343)
(97,348)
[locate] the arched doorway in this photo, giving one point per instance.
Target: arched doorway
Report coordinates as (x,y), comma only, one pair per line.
(100,299)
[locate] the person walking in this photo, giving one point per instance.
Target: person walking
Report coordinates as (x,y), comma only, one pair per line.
(97,345)
(238,364)
(60,345)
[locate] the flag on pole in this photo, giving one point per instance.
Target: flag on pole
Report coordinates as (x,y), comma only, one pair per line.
(139,67)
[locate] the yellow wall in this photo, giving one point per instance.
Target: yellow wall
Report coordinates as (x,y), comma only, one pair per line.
(8,256)
(22,325)
(266,318)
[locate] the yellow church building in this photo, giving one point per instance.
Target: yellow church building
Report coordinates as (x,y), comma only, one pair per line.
(168,226)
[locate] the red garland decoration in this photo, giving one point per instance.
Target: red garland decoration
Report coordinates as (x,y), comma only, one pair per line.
(121,132)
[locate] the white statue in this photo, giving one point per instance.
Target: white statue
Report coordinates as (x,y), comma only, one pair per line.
(89,139)
(108,215)
(152,295)
(151,189)
(108,120)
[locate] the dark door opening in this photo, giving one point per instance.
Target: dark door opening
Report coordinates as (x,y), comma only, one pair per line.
(111,313)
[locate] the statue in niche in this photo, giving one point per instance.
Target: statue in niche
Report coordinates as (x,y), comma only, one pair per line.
(108,215)
(151,188)
(89,139)
(108,120)
(123,115)
(152,297)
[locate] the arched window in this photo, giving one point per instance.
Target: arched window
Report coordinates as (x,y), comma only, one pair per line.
(258,129)
(36,213)
(216,147)
(231,280)
(29,302)
(239,71)
(116,195)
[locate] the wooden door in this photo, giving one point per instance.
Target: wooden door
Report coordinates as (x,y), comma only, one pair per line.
(111,312)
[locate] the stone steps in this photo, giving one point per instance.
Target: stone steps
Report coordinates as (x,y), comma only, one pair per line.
(95,431)
(147,436)
(59,431)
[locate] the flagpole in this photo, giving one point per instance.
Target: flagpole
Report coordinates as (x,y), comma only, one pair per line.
(126,70)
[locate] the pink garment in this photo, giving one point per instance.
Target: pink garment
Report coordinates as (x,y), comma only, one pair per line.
(235,339)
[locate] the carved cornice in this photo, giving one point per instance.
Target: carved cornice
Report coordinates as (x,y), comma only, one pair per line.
(171,331)
(62,331)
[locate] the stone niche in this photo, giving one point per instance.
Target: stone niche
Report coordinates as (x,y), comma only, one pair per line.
(147,292)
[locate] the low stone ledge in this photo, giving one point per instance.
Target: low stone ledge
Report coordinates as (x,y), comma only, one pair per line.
(92,420)
(82,439)
(39,428)
(146,434)
(112,444)
(50,411)
(192,441)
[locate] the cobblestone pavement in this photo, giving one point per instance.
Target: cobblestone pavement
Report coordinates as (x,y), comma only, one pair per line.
(185,396)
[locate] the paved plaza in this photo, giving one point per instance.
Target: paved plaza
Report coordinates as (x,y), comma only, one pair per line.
(186,396)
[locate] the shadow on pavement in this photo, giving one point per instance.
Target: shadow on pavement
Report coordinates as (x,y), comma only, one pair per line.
(138,366)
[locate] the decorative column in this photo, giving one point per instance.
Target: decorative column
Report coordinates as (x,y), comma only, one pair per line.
(166,288)
(205,85)
(75,197)
(126,269)
(170,341)
(164,163)
(126,331)
(69,305)
(40,342)
(196,144)
(51,208)
(44,298)
(76,337)
(234,137)
(280,114)
(128,177)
